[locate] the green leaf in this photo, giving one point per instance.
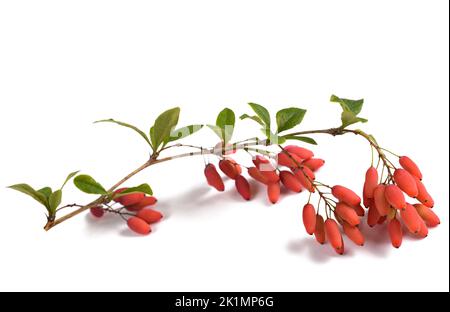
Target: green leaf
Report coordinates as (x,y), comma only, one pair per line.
(349,118)
(288,118)
(183,132)
(123,124)
(262,113)
(226,121)
(88,185)
(55,200)
(163,126)
(300,138)
(70,176)
(28,190)
(217,130)
(143,188)
(354,106)
(46,191)
(254,118)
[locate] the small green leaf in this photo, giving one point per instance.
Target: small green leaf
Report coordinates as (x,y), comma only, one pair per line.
(354,106)
(46,191)
(349,118)
(226,121)
(300,138)
(217,130)
(123,124)
(164,125)
(55,200)
(70,176)
(183,132)
(143,188)
(254,118)
(288,118)
(262,113)
(28,190)
(88,185)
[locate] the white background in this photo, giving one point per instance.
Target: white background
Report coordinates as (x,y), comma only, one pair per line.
(64,64)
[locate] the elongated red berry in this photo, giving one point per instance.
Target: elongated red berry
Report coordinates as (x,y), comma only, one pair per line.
(290,181)
(257,175)
(423,232)
(228,168)
(347,213)
(373,216)
(305,181)
(410,166)
(346,195)
(308,172)
(428,215)
(238,167)
(213,178)
(395,233)
(314,163)
(319,232)
(128,199)
(243,187)
(149,215)
(411,219)
(354,234)
(273,192)
(289,160)
(371,182)
(145,202)
(301,152)
(271,176)
(395,196)
(340,250)
(139,226)
(380,200)
(424,197)
(406,182)
(333,234)
(97,212)
(309,218)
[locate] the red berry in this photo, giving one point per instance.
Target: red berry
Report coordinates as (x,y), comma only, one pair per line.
(395,233)
(301,152)
(305,181)
(128,199)
(380,200)
(271,176)
(257,175)
(410,166)
(406,182)
(395,197)
(373,216)
(359,210)
(309,218)
(228,168)
(145,202)
(424,197)
(289,160)
(149,215)
(423,232)
(346,195)
(243,187)
(371,182)
(334,234)
(273,192)
(430,218)
(347,213)
(290,181)
(354,234)
(213,178)
(319,232)
(238,167)
(97,212)
(411,219)
(139,226)
(314,163)
(308,172)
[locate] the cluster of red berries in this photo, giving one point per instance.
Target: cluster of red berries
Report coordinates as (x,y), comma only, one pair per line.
(387,201)
(137,212)
(300,175)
